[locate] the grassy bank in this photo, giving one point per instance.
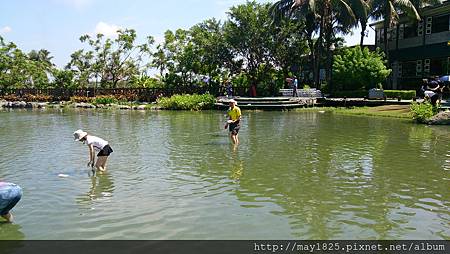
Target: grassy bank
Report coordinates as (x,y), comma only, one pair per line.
(396,111)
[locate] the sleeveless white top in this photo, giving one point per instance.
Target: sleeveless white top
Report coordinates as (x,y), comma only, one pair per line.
(97,142)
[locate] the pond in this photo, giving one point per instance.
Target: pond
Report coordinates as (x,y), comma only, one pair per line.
(175,175)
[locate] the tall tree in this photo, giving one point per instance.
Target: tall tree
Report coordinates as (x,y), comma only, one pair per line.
(361,9)
(144,57)
(42,67)
(12,65)
(328,17)
(109,61)
(288,46)
(159,59)
(248,35)
(19,70)
(211,48)
(305,14)
(80,64)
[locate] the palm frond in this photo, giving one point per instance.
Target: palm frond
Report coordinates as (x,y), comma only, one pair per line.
(409,8)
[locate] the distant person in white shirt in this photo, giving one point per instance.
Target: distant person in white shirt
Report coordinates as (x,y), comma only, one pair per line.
(95,144)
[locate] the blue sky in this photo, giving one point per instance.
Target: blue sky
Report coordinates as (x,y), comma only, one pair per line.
(56,25)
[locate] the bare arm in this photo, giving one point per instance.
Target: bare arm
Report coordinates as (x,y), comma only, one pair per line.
(433,89)
(91,155)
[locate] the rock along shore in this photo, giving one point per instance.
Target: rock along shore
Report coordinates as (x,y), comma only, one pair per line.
(42,105)
(443,118)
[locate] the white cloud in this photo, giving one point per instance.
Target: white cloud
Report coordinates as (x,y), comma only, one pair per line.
(5,30)
(108,30)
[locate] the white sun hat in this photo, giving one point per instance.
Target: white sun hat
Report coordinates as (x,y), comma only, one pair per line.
(79,134)
(232,101)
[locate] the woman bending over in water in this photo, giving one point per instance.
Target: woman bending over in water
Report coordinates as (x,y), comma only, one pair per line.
(95,144)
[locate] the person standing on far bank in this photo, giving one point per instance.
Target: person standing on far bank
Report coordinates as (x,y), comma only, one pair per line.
(294,86)
(233,123)
(95,144)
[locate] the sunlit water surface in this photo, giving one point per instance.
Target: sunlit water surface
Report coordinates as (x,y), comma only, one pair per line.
(174,175)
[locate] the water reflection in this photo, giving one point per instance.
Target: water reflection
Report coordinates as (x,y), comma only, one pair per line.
(333,185)
(237,164)
(102,188)
(302,175)
(237,171)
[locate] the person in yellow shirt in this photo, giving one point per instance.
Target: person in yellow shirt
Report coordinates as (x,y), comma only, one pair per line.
(234,114)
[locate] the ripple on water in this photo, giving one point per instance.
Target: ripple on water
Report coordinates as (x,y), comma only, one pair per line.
(304,176)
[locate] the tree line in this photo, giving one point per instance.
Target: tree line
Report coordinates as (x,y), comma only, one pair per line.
(257,45)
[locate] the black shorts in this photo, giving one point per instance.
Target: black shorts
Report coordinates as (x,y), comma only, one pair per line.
(234,128)
(106,151)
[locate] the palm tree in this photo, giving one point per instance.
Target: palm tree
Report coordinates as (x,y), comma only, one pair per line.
(390,11)
(305,14)
(362,9)
(42,56)
(419,4)
(325,17)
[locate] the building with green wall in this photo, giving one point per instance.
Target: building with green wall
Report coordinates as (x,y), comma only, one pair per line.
(419,49)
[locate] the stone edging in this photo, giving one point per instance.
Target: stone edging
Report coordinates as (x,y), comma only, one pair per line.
(42,105)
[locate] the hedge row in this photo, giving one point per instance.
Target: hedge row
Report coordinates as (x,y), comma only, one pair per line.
(393,94)
(403,94)
(351,94)
(187,102)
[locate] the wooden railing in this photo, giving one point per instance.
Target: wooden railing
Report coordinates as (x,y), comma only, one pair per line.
(142,94)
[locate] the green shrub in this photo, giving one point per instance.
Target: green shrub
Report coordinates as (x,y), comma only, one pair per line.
(404,95)
(146,82)
(359,69)
(105,99)
(187,102)
(423,111)
(351,94)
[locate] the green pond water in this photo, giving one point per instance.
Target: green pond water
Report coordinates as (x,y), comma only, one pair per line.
(175,175)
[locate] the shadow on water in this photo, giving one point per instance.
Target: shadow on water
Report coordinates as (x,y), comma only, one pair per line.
(218,143)
(220,138)
(10,231)
(218,135)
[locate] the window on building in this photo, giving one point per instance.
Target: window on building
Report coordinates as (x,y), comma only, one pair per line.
(410,31)
(382,35)
(440,24)
(438,66)
(409,69)
(448,66)
(378,36)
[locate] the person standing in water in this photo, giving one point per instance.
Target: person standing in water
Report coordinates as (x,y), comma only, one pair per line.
(10,194)
(95,144)
(234,113)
